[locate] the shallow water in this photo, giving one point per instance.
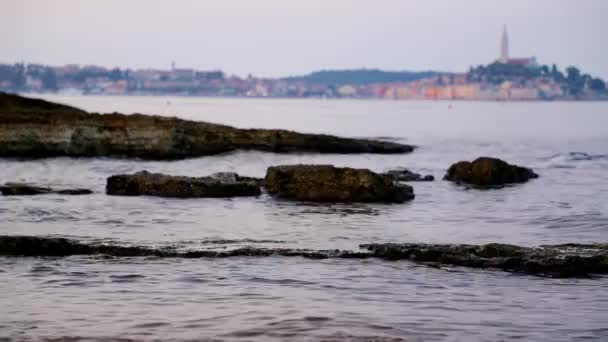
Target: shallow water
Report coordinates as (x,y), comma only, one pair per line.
(297,299)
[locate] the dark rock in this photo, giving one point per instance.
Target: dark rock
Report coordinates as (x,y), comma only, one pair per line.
(488,172)
(74,192)
(326,183)
(405,175)
(61,247)
(565,261)
(552,260)
(155,184)
(35,128)
(21,189)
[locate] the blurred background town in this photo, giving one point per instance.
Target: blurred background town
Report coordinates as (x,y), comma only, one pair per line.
(506,78)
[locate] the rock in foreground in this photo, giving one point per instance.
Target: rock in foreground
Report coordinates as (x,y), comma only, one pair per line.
(405,175)
(326,183)
(156,184)
(32,128)
(564,261)
(21,189)
(488,172)
(61,247)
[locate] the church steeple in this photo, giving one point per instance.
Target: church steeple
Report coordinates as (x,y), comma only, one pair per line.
(504,46)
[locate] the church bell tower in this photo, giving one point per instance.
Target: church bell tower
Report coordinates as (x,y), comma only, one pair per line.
(504,46)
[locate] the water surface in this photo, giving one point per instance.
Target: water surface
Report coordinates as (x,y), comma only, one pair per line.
(298,299)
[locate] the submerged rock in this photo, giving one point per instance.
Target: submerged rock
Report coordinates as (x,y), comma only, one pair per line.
(405,175)
(488,172)
(326,183)
(564,261)
(572,260)
(22,189)
(156,184)
(55,246)
(32,128)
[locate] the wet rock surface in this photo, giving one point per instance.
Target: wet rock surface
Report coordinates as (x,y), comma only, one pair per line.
(56,246)
(31,128)
(561,261)
(23,189)
(405,175)
(488,172)
(326,183)
(156,184)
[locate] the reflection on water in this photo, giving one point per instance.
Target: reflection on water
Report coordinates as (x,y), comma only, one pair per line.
(297,299)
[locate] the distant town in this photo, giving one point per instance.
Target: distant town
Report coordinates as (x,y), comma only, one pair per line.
(505,79)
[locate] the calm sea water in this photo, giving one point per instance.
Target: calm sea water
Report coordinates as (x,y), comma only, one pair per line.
(297,299)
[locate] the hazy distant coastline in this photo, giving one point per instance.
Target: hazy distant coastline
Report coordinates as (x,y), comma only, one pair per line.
(510,80)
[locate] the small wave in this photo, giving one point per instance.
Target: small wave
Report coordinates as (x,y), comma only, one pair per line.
(280,281)
(151,325)
(235,241)
(575,156)
(42,269)
(193,279)
(37,215)
(383,138)
(126,278)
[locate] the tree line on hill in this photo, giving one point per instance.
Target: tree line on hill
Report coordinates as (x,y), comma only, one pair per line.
(360,77)
(573,81)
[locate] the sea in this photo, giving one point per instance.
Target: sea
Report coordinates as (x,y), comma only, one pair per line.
(95,298)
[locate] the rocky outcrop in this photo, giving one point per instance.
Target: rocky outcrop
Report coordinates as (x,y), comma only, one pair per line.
(405,175)
(326,183)
(488,172)
(564,261)
(35,128)
(22,189)
(61,247)
(156,184)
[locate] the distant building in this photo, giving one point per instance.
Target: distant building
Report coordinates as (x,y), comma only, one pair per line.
(504,47)
(504,58)
(347,91)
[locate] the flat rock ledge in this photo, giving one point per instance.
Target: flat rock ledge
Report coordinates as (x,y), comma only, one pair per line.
(38,246)
(559,261)
(22,189)
(31,128)
(155,184)
(486,172)
(326,183)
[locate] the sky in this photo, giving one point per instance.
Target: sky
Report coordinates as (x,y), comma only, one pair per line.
(286,37)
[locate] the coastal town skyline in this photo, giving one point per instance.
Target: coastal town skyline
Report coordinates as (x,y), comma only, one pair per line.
(272,39)
(505,78)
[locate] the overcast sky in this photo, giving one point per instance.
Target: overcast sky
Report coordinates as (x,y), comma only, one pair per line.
(287,37)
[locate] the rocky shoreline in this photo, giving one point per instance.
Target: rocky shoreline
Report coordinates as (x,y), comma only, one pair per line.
(559,261)
(31,128)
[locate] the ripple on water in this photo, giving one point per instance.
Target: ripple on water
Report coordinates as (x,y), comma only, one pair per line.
(148,298)
(126,278)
